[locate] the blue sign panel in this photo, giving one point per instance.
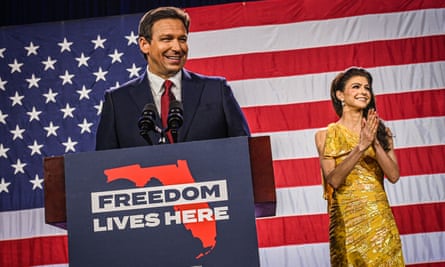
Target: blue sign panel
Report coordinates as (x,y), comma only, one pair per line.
(186,204)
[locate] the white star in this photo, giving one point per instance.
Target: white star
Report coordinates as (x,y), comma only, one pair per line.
(69,145)
(36,183)
(100,74)
(3,117)
(3,151)
(99,107)
(18,167)
(134,71)
(2,84)
(116,56)
(65,45)
(35,148)
(132,38)
(68,111)
(51,129)
(66,77)
(17,132)
(84,93)
(50,96)
(2,50)
(15,66)
(83,60)
(49,64)
(34,114)
(31,49)
(85,126)
(98,42)
(16,99)
(33,81)
(4,186)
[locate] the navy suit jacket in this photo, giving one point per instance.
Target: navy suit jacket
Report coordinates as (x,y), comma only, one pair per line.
(209,111)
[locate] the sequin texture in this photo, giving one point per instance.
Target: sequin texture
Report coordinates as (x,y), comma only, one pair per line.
(362,230)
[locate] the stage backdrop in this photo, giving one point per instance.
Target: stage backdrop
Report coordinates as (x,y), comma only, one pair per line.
(279,57)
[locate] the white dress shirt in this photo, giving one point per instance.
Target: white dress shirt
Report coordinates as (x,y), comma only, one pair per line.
(157,89)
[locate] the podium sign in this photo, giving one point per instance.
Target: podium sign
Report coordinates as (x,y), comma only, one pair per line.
(187,204)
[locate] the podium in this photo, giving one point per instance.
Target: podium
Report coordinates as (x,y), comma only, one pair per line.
(184,204)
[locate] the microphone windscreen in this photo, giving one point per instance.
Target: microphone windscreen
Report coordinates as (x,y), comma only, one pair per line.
(175,104)
(150,109)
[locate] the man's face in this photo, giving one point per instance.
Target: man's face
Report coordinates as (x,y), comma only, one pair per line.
(167,51)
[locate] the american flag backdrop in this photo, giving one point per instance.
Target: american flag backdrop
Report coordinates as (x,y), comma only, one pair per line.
(279,57)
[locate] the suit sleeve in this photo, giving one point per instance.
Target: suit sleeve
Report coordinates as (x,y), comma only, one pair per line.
(236,121)
(106,137)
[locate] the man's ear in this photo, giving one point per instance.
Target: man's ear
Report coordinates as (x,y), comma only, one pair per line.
(144,45)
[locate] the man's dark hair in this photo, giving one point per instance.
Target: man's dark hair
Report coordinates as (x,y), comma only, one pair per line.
(149,18)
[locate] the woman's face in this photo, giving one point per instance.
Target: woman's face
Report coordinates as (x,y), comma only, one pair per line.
(357,93)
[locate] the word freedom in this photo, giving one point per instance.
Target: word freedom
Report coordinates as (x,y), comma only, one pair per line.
(155,197)
(159,196)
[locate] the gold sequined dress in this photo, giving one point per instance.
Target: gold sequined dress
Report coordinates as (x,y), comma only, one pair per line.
(362,230)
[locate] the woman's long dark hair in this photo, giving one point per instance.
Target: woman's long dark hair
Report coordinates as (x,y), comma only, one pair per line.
(338,84)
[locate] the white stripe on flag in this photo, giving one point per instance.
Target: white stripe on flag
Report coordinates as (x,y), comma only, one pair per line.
(409,133)
(315,87)
(308,200)
(417,249)
(320,33)
(424,247)
(419,189)
(26,224)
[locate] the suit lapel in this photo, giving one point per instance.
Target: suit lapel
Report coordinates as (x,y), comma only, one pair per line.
(140,92)
(191,95)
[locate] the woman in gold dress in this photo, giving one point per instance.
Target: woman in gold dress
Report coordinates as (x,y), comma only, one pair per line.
(356,152)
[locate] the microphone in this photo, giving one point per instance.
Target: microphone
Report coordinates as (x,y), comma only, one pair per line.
(147,122)
(175,119)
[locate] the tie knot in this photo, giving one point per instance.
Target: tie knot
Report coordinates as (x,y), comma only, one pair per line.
(167,90)
(167,86)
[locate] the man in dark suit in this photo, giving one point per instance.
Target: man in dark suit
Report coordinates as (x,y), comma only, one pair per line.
(209,108)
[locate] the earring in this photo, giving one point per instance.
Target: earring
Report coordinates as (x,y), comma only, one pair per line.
(342,103)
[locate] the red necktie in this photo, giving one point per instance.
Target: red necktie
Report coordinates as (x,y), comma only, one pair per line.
(167,96)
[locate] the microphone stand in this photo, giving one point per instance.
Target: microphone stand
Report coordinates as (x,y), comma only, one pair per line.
(163,138)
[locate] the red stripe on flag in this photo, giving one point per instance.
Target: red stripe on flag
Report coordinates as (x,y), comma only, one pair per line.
(390,106)
(286,117)
(265,12)
(305,61)
(297,172)
(411,105)
(421,160)
(293,230)
(34,251)
(429,264)
(412,161)
(420,218)
(297,230)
